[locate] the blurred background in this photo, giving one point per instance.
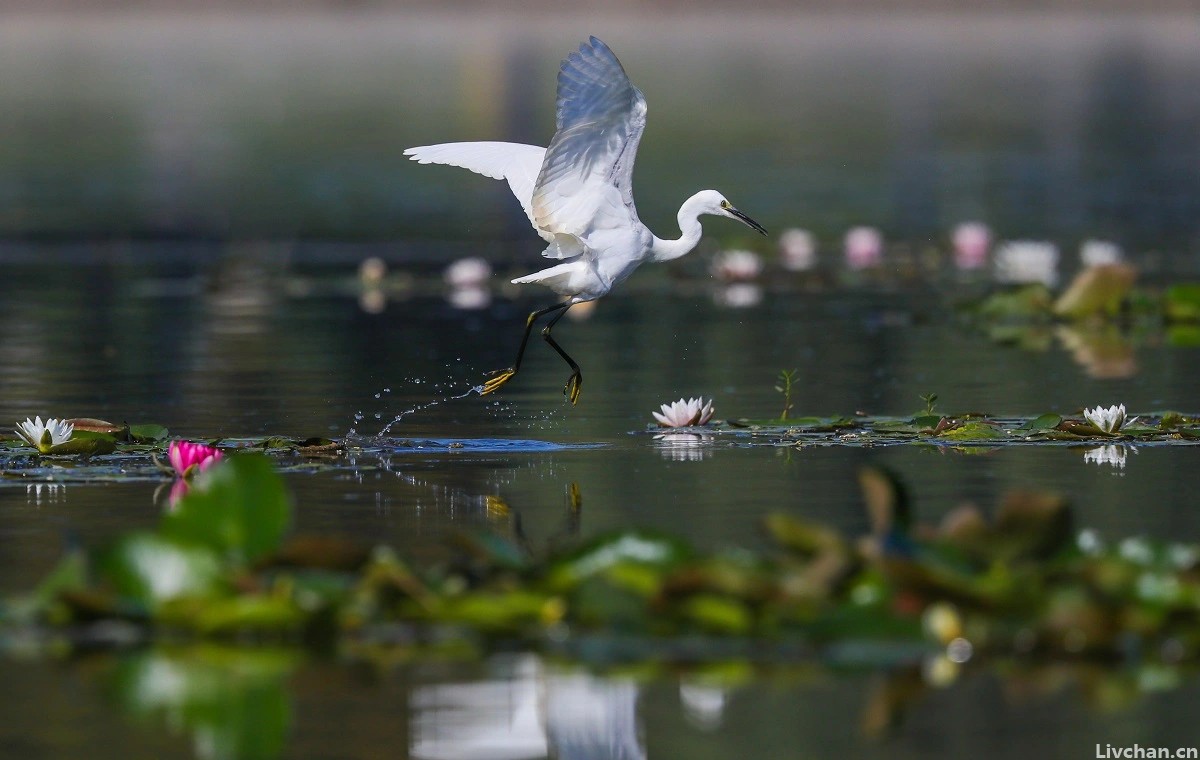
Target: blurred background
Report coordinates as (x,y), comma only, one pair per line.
(276,121)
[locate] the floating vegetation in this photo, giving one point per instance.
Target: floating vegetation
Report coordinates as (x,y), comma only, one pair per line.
(1098,318)
(978,429)
(141,452)
(221,566)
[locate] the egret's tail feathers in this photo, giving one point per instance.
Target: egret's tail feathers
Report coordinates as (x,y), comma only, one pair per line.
(557,278)
(564,247)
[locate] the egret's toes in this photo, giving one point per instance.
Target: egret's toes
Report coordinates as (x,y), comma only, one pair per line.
(571,390)
(498,378)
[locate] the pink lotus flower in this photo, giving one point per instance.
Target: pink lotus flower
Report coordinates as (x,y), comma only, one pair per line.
(971,243)
(864,248)
(189,458)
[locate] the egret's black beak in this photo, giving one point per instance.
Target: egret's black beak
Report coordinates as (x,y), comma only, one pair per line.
(746,220)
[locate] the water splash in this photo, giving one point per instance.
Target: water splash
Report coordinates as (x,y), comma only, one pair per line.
(473,390)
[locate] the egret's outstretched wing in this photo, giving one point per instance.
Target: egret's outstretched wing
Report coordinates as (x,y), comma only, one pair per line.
(519,164)
(584,183)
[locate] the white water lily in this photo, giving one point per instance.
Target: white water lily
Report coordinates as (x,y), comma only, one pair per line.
(694,411)
(1109,420)
(1027,261)
(45,436)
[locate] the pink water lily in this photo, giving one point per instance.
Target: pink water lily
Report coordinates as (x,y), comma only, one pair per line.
(188,458)
(694,411)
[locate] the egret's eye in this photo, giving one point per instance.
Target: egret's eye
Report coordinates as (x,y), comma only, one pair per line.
(724,204)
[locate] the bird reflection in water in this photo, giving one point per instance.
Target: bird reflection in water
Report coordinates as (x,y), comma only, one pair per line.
(532,712)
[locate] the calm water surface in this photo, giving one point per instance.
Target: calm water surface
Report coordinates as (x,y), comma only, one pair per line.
(228,343)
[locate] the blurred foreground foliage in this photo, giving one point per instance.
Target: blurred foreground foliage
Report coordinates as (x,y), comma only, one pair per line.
(221,567)
(203,623)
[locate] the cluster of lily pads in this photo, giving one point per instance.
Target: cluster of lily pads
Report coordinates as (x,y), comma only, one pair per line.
(1102,424)
(221,565)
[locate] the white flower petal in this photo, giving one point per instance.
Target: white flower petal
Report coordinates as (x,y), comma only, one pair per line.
(684,413)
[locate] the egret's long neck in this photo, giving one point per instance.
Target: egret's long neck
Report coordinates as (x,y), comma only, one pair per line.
(689,225)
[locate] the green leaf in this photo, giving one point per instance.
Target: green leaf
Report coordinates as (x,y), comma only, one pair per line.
(972,431)
(1182,302)
(84,442)
(718,613)
(263,614)
(1046,421)
(1183,335)
(278,442)
(238,507)
(609,551)
(1096,290)
(501,610)
(150,569)
(147,433)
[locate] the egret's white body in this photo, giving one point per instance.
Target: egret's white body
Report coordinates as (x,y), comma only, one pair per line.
(578,192)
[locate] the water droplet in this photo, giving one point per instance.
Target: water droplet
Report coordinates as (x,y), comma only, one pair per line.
(377,395)
(378,416)
(387,390)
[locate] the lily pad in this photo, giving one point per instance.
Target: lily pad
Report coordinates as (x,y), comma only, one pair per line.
(238,507)
(1182,302)
(1096,290)
(972,431)
(604,553)
(86,443)
(1047,421)
(147,433)
(98,426)
(150,569)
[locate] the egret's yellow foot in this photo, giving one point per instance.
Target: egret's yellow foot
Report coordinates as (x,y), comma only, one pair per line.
(498,378)
(571,390)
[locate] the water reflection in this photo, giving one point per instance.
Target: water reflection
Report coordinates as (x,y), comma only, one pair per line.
(48,493)
(736,265)
(372,272)
(469,298)
(1112,455)
(738,295)
(530,712)
(1103,350)
(684,447)
(468,281)
(704,704)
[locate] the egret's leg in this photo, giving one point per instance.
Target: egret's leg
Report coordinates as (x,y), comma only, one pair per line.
(575,381)
(501,376)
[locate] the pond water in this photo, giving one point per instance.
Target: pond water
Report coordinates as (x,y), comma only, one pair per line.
(230,348)
(284,338)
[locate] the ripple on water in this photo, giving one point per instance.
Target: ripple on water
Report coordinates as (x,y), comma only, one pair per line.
(400,445)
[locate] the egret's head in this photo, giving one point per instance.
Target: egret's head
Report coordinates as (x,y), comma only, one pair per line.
(714,203)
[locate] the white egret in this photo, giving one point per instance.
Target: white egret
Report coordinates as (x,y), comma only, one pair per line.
(578,193)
